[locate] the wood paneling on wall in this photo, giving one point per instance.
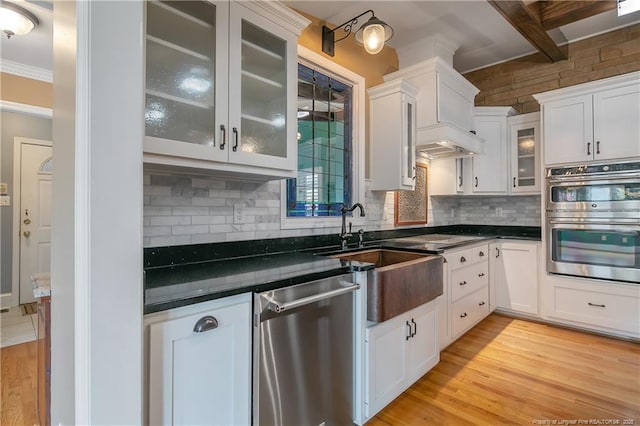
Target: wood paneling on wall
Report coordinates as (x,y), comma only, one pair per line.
(24,90)
(513,83)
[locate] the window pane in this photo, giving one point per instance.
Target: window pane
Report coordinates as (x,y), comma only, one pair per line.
(324,145)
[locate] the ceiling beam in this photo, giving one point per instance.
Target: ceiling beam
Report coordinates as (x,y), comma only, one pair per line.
(528,24)
(554,14)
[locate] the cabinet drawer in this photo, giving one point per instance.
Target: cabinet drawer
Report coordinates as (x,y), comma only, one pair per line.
(467,280)
(614,311)
(466,257)
(467,312)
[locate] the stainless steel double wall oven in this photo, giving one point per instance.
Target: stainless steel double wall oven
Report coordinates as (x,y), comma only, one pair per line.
(593,221)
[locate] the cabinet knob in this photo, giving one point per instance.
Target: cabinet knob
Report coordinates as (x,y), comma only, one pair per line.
(463,283)
(464,315)
(481,274)
(481,303)
(481,254)
(462,259)
(205,324)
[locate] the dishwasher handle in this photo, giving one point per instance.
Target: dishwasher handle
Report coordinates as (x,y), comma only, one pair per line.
(279,307)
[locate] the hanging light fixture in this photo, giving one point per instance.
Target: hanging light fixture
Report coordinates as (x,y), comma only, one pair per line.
(15,20)
(373,34)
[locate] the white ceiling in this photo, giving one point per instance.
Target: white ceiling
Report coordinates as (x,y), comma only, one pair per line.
(484,36)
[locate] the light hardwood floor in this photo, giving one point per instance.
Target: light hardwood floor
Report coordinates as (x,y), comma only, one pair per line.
(511,371)
(18,380)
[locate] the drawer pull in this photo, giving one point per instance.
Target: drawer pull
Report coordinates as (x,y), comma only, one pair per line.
(481,304)
(596,305)
(481,274)
(415,328)
(463,283)
(481,254)
(205,324)
(408,336)
(464,315)
(462,259)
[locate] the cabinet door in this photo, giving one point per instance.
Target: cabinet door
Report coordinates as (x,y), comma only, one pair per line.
(386,365)
(186,79)
(490,169)
(568,130)
(616,123)
(525,155)
(201,378)
(423,352)
(262,91)
(516,277)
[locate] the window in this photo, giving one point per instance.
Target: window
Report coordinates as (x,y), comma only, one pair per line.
(330,144)
(324,146)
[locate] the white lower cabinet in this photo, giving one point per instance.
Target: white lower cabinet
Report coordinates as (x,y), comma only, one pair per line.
(398,352)
(200,377)
(513,267)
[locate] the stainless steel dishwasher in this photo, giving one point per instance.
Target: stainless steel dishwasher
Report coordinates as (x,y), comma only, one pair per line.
(303,354)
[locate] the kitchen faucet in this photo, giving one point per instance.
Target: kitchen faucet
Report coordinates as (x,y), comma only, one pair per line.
(344,235)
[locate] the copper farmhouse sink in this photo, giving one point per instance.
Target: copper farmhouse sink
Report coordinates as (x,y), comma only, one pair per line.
(400,281)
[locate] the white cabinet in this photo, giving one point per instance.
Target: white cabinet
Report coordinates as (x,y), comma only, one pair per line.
(399,352)
(221,86)
(592,121)
(447,176)
(392,117)
(514,275)
(524,154)
(490,169)
(200,377)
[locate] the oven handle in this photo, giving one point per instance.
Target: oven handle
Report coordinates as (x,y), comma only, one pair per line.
(608,223)
(581,180)
(279,307)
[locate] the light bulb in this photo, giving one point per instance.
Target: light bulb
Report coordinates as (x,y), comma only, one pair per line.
(373,37)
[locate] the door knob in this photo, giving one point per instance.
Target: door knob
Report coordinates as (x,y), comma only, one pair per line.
(26,221)
(26,234)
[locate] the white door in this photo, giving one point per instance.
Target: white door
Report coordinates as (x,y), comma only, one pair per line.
(517,277)
(423,351)
(34,213)
(616,127)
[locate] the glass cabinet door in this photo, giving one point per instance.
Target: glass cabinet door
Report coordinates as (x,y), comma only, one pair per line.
(185,61)
(525,176)
(409,141)
(261,103)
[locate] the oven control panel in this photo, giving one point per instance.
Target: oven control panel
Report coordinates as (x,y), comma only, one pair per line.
(594,169)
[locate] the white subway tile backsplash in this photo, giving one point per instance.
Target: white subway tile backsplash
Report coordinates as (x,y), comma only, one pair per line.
(181,209)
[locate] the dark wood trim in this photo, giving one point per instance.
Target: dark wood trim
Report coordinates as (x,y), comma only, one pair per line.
(554,14)
(524,20)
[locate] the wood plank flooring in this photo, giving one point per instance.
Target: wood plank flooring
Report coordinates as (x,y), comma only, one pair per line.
(511,371)
(18,381)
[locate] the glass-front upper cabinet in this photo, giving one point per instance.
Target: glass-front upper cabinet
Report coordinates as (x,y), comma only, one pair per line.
(525,154)
(221,85)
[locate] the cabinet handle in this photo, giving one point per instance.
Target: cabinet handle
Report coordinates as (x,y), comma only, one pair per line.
(223,131)
(597,147)
(462,259)
(588,148)
(235,136)
(481,274)
(497,252)
(415,327)
(408,336)
(463,283)
(459,181)
(596,305)
(205,324)
(481,303)
(464,315)
(514,182)
(415,175)
(481,254)
(476,181)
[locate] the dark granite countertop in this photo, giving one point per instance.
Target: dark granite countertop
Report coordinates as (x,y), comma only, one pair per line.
(183,275)
(180,285)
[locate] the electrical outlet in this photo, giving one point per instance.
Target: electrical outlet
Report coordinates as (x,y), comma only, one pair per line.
(5,200)
(499,212)
(3,188)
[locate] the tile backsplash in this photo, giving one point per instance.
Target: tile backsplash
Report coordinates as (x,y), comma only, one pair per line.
(182,209)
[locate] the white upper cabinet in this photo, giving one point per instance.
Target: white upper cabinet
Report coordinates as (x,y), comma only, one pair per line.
(222,86)
(392,117)
(524,154)
(489,170)
(592,121)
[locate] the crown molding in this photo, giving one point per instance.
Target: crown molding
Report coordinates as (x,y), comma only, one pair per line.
(26,109)
(27,71)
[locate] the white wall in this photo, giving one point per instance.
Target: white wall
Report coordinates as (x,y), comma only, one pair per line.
(97,229)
